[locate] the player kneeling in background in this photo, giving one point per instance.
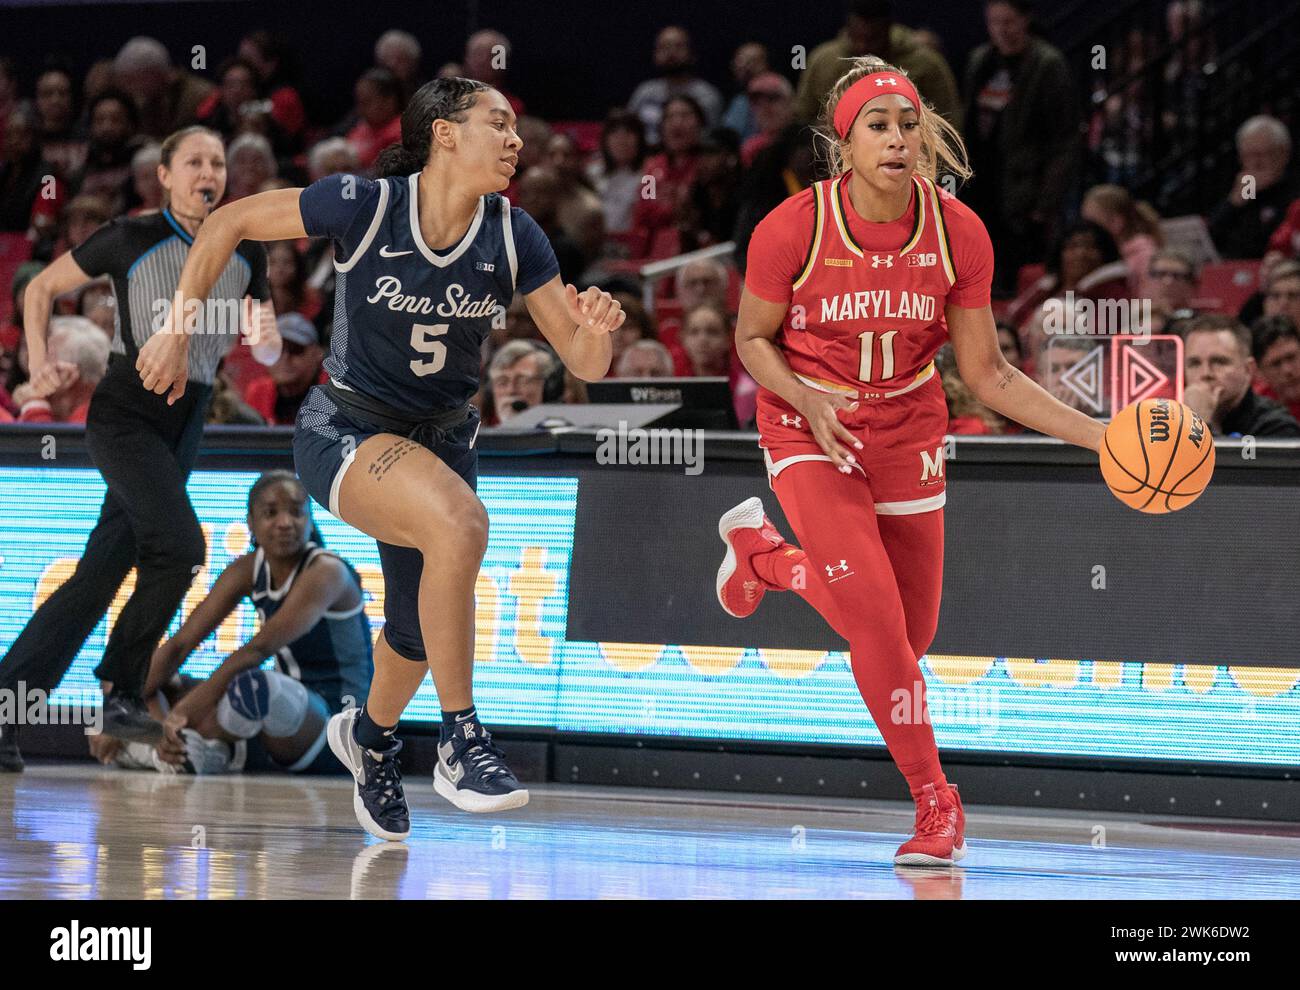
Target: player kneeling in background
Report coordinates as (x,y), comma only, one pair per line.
(313,623)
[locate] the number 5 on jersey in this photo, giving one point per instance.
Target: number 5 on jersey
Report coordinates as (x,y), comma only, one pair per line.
(867,361)
(422,335)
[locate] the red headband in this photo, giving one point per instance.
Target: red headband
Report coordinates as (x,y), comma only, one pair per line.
(868,88)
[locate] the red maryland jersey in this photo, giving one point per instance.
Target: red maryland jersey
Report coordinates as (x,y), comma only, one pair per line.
(866,300)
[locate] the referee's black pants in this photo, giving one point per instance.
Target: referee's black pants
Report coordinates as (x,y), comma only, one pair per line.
(145,450)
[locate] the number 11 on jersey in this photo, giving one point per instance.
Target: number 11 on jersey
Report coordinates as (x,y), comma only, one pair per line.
(867,362)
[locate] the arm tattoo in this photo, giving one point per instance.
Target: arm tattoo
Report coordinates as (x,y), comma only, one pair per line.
(381,464)
(1007,379)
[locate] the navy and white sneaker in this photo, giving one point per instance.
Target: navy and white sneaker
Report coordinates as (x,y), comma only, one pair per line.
(377,796)
(472,773)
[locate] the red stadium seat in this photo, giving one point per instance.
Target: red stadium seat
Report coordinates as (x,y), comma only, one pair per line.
(1226,285)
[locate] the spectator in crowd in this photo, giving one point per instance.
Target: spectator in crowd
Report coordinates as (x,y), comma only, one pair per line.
(709,211)
(487,57)
(1275,345)
(1022,132)
(98,304)
(85,215)
(286,273)
(277,396)
(701,281)
(1085,263)
(1134,225)
(675,60)
(8,94)
(1241,224)
(277,73)
(379,115)
(709,342)
(99,78)
(539,196)
(706,338)
(616,173)
(62,145)
(782,169)
(226,408)
(671,173)
(399,52)
(237,107)
(638,324)
(578,210)
(748,62)
(250,162)
(771,99)
(517,377)
(330,157)
(1218,366)
(645,359)
(23,207)
(113,142)
(13,345)
(1170,284)
(145,184)
(76,360)
(1282,291)
(869,29)
(968,416)
(168,98)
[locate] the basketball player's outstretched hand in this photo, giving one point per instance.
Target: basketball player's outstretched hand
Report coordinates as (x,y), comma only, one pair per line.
(594,309)
(822,410)
(164,364)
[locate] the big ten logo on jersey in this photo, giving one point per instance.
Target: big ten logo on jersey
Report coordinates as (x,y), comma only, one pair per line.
(919,260)
(932,467)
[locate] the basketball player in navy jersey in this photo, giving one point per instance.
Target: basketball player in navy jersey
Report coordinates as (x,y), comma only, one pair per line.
(312,622)
(425,256)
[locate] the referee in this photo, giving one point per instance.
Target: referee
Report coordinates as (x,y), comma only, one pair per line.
(143,444)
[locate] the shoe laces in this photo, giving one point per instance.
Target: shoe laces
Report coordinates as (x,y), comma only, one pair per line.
(483,757)
(931,819)
(384,779)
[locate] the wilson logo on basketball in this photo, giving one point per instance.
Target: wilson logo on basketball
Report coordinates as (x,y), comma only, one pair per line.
(1159,426)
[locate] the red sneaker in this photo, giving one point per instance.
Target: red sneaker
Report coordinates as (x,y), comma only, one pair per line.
(747,532)
(940,838)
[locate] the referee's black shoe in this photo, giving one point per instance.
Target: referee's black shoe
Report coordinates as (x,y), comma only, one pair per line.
(11,761)
(125,717)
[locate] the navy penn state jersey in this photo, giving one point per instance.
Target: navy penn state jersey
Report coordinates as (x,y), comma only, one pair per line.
(409,322)
(333,658)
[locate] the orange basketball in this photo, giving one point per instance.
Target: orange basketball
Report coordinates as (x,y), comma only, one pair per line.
(1157,455)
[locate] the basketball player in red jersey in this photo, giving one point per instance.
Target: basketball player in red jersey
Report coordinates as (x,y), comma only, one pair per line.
(851,288)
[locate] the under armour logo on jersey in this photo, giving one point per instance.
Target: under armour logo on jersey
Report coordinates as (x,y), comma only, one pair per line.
(882,259)
(386,252)
(842,567)
(888,80)
(795,421)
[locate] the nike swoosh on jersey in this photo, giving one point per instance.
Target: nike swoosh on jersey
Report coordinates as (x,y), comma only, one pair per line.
(385,253)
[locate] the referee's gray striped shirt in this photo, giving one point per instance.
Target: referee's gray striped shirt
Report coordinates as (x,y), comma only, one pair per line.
(144,257)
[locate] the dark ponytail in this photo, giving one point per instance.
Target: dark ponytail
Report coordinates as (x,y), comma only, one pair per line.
(440,99)
(269,478)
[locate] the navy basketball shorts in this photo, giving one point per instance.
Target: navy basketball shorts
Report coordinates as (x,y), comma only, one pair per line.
(322,455)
